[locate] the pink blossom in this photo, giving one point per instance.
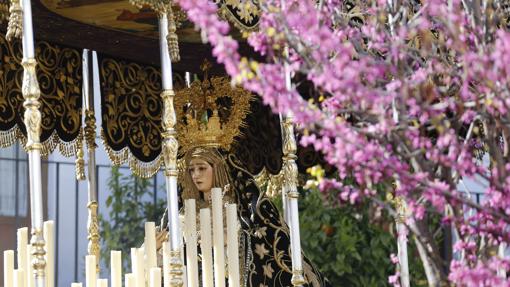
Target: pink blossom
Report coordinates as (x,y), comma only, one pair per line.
(403,108)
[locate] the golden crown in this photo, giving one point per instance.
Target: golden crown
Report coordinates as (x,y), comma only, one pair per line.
(210,113)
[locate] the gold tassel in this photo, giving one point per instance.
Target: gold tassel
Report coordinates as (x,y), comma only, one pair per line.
(15,27)
(4,12)
(172,39)
(80,162)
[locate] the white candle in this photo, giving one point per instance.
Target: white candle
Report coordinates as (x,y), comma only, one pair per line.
(184,276)
(206,247)
(187,79)
(166,64)
(140,268)
(90,271)
(85,77)
(155,277)
(19,278)
(134,265)
(22,250)
(8,268)
(190,236)
(28,32)
(232,246)
(137,266)
(218,242)
(76,285)
(116,268)
(96,86)
(166,264)
(102,282)
(130,280)
(150,246)
(50,252)
(29,274)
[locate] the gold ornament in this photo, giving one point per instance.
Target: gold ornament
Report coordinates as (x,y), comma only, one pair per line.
(170,144)
(289,169)
(38,253)
(4,12)
(176,269)
(93,236)
(172,39)
(160,6)
(297,278)
(90,129)
(80,162)
(400,207)
(15,27)
(31,94)
(210,113)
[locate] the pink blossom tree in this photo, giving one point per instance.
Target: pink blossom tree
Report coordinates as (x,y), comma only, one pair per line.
(411,95)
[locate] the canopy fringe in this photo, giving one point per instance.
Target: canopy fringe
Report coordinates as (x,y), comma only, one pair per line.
(138,167)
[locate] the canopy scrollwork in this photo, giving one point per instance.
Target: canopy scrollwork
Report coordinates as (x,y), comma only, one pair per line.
(131,114)
(60,79)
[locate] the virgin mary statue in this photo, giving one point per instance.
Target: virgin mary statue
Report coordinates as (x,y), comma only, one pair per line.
(210,114)
(264,237)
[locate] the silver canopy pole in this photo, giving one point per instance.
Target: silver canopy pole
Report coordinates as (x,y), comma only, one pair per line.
(32,119)
(291,194)
(93,236)
(169,150)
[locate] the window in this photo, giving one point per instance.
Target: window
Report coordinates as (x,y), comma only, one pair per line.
(13,181)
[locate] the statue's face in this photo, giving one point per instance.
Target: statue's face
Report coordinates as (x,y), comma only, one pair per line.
(202,174)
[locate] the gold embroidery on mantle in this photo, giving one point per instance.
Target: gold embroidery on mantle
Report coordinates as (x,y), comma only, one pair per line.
(60,84)
(270,184)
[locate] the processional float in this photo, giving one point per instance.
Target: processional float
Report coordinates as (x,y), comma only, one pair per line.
(36,260)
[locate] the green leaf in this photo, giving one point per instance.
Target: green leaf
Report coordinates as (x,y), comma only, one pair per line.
(127,214)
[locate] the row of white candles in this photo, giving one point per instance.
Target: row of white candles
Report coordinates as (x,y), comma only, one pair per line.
(212,268)
(144,270)
(23,276)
